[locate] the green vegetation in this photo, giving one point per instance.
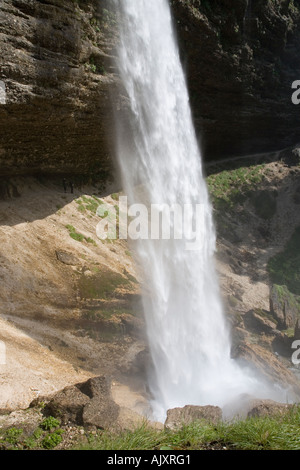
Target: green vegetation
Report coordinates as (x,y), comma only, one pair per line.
(91,241)
(86,203)
(95,23)
(50,423)
(12,436)
(284,295)
(46,436)
(101,285)
(78,236)
(75,235)
(91,204)
(278,432)
(93,66)
(103,314)
(284,268)
(260,433)
(52,440)
(230,187)
(294,9)
(290,332)
(109,19)
(115,196)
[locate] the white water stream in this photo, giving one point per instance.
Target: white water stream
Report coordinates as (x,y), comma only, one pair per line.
(161,164)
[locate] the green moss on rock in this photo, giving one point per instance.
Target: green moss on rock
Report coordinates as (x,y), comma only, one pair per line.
(284,268)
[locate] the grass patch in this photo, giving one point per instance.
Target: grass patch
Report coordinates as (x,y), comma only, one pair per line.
(278,432)
(86,203)
(260,433)
(232,186)
(101,285)
(78,236)
(75,235)
(284,268)
(107,312)
(147,438)
(91,241)
(264,433)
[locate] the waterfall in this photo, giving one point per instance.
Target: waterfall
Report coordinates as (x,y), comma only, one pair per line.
(160,164)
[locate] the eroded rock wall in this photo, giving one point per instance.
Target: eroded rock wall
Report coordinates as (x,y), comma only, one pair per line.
(56,66)
(240,57)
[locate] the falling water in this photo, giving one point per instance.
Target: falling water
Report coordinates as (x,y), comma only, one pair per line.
(160,163)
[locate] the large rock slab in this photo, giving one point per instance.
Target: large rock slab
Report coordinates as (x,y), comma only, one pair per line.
(260,408)
(178,417)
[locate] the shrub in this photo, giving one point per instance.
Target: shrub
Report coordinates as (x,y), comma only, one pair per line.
(53,439)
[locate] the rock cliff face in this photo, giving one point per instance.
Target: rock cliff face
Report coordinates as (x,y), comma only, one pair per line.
(55,57)
(241,58)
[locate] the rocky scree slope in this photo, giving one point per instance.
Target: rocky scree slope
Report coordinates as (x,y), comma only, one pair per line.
(71,303)
(256,207)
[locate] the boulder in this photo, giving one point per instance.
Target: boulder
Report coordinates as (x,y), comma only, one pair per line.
(99,413)
(247,406)
(87,404)
(260,408)
(67,258)
(67,405)
(177,417)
